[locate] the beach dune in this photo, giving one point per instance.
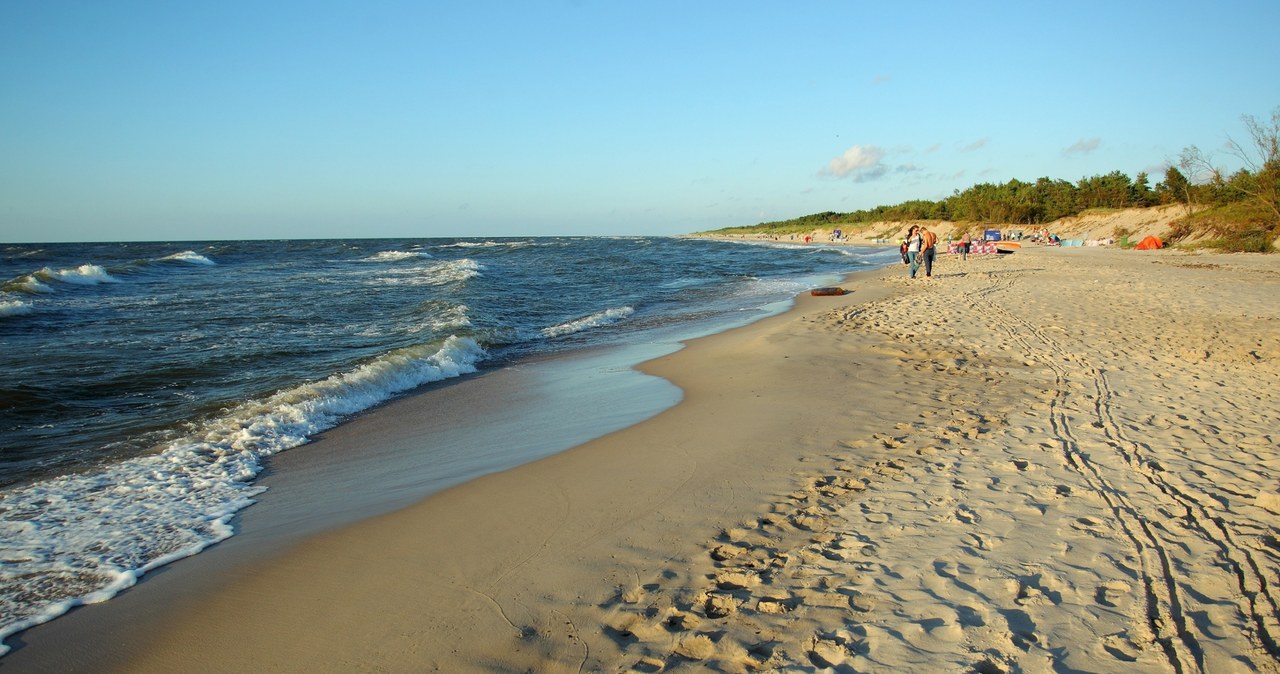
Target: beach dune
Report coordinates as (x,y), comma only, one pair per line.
(1056,460)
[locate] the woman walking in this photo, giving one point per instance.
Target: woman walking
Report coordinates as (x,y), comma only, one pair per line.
(914,242)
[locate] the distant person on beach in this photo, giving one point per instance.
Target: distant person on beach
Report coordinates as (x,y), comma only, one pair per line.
(914,242)
(928,250)
(964,246)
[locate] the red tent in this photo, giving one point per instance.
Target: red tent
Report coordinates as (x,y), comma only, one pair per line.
(1150,243)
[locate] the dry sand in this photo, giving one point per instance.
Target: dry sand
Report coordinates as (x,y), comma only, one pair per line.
(1057,460)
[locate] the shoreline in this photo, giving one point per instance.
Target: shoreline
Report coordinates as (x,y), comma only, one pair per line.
(974,472)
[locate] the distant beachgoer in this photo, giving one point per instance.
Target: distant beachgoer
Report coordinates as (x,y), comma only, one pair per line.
(928,250)
(914,242)
(964,246)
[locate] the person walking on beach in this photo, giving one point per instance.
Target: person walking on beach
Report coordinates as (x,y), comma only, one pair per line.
(914,241)
(964,246)
(928,250)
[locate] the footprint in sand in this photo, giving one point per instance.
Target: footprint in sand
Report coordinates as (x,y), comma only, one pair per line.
(877,518)
(1112,593)
(967,515)
(698,647)
(1121,647)
(1089,525)
(835,649)
(737,580)
(720,606)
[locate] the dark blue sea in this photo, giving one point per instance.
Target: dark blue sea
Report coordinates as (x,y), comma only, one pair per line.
(142,385)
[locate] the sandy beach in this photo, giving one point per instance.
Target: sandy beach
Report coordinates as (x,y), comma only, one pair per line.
(1055,460)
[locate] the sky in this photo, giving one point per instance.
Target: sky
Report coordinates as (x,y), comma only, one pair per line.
(182,121)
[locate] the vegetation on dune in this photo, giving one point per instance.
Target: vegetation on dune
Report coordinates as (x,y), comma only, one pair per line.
(1236,212)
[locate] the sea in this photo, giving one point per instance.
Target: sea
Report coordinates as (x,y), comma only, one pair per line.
(145,386)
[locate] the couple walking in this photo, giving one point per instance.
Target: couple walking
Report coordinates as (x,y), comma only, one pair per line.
(922,247)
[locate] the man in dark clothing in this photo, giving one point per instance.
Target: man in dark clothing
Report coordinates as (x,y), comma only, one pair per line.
(928,249)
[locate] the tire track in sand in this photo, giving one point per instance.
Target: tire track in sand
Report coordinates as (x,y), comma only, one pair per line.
(1164,606)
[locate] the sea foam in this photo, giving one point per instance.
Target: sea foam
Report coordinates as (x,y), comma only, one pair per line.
(190,257)
(596,320)
(435,274)
(28,284)
(82,538)
(15,308)
(397,255)
(85,274)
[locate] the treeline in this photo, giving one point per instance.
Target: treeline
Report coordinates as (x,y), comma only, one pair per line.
(1016,201)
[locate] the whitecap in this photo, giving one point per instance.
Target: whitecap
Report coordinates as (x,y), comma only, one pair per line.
(28,284)
(85,275)
(15,308)
(441,273)
(596,320)
(190,257)
(397,255)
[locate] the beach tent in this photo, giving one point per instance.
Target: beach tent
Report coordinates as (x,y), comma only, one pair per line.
(991,235)
(1150,243)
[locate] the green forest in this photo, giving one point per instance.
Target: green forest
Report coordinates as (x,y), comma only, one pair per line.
(1236,211)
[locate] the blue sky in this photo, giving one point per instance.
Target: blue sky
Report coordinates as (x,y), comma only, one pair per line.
(134,120)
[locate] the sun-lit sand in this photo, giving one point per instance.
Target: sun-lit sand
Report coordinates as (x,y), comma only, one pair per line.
(1056,460)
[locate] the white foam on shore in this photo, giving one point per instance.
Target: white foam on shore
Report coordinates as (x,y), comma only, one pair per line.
(82,538)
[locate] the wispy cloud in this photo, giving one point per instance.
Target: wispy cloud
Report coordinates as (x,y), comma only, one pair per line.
(1083,146)
(975,145)
(860,162)
(881,79)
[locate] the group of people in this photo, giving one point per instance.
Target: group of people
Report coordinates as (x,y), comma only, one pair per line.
(920,249)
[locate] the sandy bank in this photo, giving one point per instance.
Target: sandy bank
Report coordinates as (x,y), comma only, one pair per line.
(1096,226)
(1050,461)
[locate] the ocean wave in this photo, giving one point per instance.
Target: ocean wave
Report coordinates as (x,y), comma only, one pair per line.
(84,275)
(596,320)
(441,273)
(188,256)
(82,538)
(27,284)
(442,317)
(15,308)
(485,244)
(397,255)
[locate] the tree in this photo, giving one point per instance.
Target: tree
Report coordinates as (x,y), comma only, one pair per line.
(1262,161)
(1140,194)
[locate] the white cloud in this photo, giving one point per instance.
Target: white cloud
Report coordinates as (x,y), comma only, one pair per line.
(1083,146)
(975,145)
(860,162)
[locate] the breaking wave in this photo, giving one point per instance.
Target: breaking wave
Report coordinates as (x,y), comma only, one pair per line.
(596,320)
(83,538)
